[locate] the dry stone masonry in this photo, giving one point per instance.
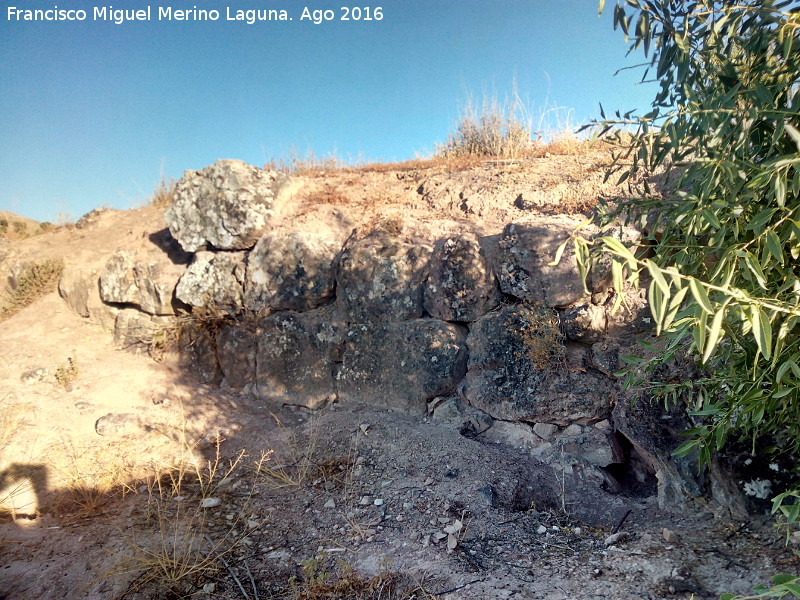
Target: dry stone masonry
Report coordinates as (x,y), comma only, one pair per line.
(425,325)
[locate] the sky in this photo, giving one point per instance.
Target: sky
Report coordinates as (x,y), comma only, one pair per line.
(95,113)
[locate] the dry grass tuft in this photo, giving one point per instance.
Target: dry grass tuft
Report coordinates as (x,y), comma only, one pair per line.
(36,281)
(67,373)
(328,195)
(542,340)
(90,478)
(184,545)
(491,130)
(321,580)
(309,165)
(164,193)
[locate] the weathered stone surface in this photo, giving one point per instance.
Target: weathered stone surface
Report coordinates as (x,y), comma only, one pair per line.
(380,280)
(214,281)
(522,267)
(134,328)
(80,288)
(460,285)
(290,271)
(197,353)
(228,204)
(119,425)
(503,380)
(584,323)
(147,284)
(237,348)
(655,433)
(296,356)
(401,365)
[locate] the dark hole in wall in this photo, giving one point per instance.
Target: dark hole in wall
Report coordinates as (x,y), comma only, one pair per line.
(633,476)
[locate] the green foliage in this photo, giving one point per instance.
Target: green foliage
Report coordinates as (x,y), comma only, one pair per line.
(783,586)
(721,254)
(20,228)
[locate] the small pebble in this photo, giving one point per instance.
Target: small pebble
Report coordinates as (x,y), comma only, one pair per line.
(330,504)
(670,536)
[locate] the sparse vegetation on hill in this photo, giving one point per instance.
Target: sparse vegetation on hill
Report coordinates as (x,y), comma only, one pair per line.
(36,281)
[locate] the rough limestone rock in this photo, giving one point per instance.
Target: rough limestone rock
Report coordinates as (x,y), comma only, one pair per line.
(585,323)
(296,356)
(80,288)
(290,271)
(522,267)
(460,285)
(197,353)
(143,283)
(380,280)
(505,382)
(214,281)
(237,348)
(401,365)
(228,204)
(134,328)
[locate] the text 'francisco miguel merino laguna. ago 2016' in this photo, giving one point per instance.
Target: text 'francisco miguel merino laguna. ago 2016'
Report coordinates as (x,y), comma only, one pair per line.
(168,13)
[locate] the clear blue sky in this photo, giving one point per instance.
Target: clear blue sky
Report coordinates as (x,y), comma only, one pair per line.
(93,113)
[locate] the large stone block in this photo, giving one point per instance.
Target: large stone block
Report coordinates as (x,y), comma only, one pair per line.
(237,350)
(228,204)
(135,329)
(517,372)
(523,268)
(296,356)
(290,271)
(148,284)
(79,287)
(460,285)
(380,280)
(401,365)
(214,281)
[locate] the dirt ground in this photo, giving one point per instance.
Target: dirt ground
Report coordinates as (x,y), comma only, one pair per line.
(121,477)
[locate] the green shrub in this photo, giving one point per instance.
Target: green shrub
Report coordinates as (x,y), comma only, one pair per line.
(722,253)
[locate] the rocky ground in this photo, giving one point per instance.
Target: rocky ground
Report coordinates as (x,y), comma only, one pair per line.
(123,477)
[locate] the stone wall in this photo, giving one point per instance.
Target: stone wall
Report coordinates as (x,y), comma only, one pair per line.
(482,330)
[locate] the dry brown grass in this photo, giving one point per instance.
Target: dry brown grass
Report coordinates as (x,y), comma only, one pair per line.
(36,281)
(306,166)
(164,193)
(538,329)
(323,580)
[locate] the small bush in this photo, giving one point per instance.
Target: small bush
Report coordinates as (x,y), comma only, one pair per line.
(34,283)
(20,228)
(493,131)
(67,373)
(320,581)
(542,340)
(3,225)
(164,193)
